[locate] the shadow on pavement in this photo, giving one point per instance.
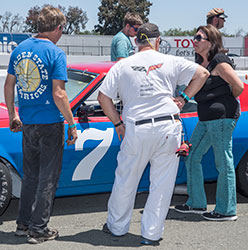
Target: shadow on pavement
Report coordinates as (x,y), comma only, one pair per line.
(98,238)
(93,237)
(98,203)
(10,239)
(174,215)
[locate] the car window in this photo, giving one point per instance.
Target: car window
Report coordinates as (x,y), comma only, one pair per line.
(92,100)
(77,82)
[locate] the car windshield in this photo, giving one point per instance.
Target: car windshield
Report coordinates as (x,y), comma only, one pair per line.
(77,82)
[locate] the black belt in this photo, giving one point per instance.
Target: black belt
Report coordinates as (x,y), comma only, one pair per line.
(158,119)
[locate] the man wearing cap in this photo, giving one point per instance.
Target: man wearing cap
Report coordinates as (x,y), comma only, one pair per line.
(150,130)
(216,17)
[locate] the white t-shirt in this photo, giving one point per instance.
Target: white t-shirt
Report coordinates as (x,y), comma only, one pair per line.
(146,82)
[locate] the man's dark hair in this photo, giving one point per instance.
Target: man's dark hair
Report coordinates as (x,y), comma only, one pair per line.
(132,18)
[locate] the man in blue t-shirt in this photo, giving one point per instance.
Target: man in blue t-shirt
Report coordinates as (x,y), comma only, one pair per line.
(37,68)
(121,46)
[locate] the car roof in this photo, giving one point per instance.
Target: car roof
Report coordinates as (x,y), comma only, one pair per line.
(97,67)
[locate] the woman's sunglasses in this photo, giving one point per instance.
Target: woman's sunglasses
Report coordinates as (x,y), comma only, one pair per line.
(198,38)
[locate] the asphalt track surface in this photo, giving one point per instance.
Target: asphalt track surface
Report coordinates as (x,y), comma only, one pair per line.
(80,220)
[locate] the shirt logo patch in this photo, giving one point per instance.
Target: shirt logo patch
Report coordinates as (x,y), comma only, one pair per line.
(143,69)
(30,72)
(153,67)
(28,75)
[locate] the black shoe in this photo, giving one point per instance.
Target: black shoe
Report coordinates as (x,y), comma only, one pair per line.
(36,238)
(21,230)
(213,216)
(187,209)
(145,241)
(105,229)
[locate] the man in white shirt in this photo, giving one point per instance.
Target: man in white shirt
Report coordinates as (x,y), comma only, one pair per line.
(151,129)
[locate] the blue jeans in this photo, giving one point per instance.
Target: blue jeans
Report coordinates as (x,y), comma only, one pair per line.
(43,146)
(218,134)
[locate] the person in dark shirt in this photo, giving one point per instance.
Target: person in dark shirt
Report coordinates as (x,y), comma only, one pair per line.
(218,111)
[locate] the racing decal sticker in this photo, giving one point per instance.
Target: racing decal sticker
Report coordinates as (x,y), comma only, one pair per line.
(84,169)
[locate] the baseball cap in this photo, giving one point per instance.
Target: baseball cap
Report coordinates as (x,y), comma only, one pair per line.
(216,12)
(147,30)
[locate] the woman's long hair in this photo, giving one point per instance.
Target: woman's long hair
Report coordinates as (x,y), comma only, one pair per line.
(215,38)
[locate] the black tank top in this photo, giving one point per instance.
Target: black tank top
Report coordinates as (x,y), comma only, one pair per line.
(215,99)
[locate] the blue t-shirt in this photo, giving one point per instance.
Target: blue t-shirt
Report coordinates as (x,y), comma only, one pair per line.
(121,46)
(35,63)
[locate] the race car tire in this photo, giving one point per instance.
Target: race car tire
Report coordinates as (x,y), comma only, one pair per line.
(242,176)
(5,188)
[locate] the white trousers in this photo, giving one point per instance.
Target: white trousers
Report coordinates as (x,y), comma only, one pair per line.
(155,143)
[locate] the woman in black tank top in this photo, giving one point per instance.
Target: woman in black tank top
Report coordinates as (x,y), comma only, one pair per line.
(218,111)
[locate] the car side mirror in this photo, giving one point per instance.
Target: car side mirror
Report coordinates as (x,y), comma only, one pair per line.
(85,110)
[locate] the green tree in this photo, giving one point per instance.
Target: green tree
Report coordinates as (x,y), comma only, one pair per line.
(179,32)
(11,23)
(111,14)
(31,19)
(76,19)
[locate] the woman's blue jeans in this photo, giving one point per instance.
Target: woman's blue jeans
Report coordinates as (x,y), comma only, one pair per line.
(218,134)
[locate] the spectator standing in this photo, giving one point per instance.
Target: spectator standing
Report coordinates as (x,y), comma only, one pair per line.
(218,111)
(151,130)
(216,17)
(38,68)
(121,46)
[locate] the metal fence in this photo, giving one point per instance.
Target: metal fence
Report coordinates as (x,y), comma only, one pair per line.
(86,50)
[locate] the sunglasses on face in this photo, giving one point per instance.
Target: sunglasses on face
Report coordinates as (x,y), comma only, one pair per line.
(134,28)
(198,38)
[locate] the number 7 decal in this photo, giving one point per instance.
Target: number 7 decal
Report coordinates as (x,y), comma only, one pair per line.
(86,166)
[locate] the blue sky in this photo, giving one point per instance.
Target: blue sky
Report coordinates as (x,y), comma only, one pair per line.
(166,14)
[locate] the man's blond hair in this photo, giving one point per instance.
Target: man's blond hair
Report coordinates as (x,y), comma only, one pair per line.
(49,19)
